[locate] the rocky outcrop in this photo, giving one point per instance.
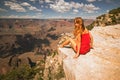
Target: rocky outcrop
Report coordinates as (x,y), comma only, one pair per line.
(53,69)
(101,63)
(50,68)
(110,18)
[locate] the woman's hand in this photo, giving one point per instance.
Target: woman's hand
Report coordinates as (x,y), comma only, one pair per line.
(91,46)
(76,56)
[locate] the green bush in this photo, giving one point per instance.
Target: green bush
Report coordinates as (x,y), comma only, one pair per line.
(115,11)
(90,27)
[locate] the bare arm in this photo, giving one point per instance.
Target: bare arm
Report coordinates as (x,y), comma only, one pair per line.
(78,43)
(91,39)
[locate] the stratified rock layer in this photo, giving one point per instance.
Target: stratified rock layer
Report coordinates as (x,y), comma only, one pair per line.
(101,63)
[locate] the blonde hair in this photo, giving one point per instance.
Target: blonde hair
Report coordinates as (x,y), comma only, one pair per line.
(79,29)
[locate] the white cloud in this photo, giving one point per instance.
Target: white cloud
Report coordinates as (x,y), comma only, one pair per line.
(2,10)
(46,1)
(76,5)
(15,6)
(90,8)
(25,4)
(107,11)
(60,6)
(75,11)
(49,1)
(91,0)
(34,8)
(33,0)
(20,7)
(30,7)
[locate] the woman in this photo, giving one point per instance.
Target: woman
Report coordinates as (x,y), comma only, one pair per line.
(83,40)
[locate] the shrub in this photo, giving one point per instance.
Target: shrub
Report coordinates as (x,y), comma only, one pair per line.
(90,27)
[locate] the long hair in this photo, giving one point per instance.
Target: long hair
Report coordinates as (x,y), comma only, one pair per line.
(78,29)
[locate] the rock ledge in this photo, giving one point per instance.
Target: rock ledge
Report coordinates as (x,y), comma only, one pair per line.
(101,63)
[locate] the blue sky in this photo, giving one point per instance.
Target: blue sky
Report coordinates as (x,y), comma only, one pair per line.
(44,9)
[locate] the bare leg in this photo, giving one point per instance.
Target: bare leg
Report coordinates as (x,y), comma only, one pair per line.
(65,43)
(69,40)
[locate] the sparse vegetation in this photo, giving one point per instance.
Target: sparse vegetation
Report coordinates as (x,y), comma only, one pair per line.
(115,11)
(22,73)
(60,73)
(53,69)
(56,75)
(90,27)
(110,18)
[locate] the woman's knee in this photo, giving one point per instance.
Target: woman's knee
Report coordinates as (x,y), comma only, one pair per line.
(70,39)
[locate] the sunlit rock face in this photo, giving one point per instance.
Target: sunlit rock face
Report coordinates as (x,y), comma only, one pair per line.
(101,63)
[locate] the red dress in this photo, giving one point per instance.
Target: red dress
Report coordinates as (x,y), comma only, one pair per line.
(85,43)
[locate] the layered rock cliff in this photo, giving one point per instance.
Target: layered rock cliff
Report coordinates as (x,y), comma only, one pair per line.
(101,63)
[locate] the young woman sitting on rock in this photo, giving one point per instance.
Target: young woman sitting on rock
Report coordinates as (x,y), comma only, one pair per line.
(83,41)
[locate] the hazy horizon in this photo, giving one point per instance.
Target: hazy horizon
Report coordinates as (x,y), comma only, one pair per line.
(43,18)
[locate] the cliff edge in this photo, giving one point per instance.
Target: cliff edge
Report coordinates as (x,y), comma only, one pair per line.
(101,63)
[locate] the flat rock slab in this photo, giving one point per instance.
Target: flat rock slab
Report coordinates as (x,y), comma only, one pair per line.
(92,66)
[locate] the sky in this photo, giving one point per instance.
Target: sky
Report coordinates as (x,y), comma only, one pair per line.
(47,9)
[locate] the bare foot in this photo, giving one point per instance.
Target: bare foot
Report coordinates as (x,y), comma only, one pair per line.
(60,45)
